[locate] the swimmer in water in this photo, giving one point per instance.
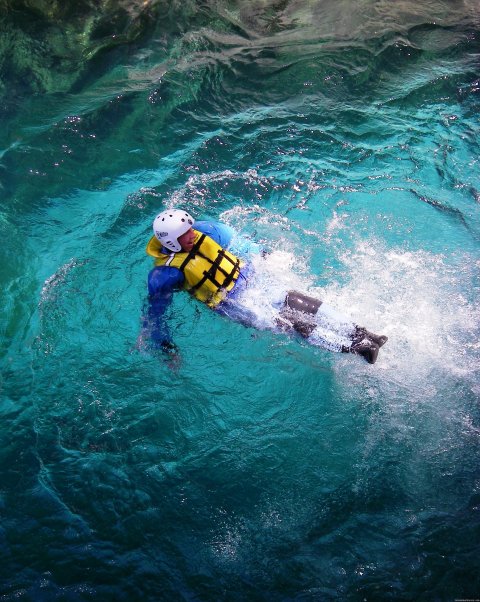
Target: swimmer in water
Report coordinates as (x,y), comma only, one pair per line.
(210,261)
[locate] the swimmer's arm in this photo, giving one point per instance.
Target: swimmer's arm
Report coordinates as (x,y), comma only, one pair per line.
(228,238)
(162,283)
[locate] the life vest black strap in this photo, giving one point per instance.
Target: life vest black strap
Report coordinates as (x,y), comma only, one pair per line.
(233,274)
(193,252)
(210,275)
(211,272)
(214,267)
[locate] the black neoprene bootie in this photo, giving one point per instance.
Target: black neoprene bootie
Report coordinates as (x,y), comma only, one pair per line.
(362,333)
(367,349)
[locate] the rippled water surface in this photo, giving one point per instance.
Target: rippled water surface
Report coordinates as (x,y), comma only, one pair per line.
(341,136)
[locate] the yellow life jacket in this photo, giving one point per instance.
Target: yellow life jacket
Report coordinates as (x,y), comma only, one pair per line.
(210,271)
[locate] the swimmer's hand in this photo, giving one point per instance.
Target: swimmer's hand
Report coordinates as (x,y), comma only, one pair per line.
(172,355)
(168,347)
(168,350)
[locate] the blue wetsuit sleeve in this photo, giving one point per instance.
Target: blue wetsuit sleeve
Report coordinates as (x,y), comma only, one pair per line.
(162,282)
(221,233)
(228,238)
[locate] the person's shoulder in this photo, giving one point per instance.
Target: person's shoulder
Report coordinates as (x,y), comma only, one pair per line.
(220,232)
(164,277)
(209,226)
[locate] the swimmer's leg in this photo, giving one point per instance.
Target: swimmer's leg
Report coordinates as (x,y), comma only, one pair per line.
(324,326)
(298,312)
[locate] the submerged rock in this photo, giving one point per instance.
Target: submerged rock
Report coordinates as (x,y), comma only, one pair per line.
(46,47)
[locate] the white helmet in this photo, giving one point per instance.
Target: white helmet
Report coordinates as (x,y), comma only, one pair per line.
(169,225)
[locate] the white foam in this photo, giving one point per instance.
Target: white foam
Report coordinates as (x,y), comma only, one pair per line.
(273,275)
(418,299)
(50,289)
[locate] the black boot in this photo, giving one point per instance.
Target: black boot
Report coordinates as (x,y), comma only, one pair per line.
(363,333)
(367,349)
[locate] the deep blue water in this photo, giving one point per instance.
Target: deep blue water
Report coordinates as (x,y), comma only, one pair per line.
(344,137)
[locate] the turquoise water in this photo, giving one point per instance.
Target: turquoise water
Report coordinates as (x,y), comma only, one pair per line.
(344,138)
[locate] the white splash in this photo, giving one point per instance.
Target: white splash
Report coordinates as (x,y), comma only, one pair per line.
(419,300)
